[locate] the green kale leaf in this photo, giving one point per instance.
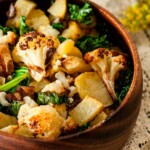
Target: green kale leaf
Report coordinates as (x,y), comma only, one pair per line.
(23,26)
(123,83)
(20,77)
(61,39)
(6,29)
(82,15)
(89,43)
(13,109)
(47,97)
(58,25)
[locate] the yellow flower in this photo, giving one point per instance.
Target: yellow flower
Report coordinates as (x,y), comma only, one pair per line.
(137,17)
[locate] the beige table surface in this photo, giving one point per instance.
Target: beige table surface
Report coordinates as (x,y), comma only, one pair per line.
(140,138)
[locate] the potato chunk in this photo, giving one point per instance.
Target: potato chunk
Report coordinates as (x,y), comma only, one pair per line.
(62,110)
(6,120)
(89,83)
(86,110)
(10,129)
(48,30)
(38,86)
(58,9)
(23,130)
(73,32)
(68,48)
(74,64)
(99,118)
(37,18)
(18,130)
(70,126)
(23,8)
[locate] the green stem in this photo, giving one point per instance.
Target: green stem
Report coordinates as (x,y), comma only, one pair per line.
(13,83)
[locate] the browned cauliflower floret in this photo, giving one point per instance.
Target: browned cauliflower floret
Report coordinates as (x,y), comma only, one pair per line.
(6,62)
(9,38)
(35,50)
(43,121)
(107,64)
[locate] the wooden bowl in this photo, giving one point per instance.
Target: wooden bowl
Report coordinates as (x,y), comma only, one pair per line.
(111,134)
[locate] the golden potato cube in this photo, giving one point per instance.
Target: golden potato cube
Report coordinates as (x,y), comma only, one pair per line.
(10,129)
(74,64)
(6,120)
(48,30)
(76,52)
(89,83)
(86,110)
(58,9)
(65,47)
(62,110)
(68,48)
(99,118)
(38,86)
(73,32)
(23,8)
(23,130)
(37,18)
(69,125)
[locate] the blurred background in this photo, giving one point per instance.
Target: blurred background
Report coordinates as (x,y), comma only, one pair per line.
(135,15)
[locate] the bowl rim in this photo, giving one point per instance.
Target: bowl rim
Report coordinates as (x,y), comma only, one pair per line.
(136,65)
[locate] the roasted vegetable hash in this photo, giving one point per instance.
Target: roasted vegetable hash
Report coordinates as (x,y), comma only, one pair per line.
(58,73)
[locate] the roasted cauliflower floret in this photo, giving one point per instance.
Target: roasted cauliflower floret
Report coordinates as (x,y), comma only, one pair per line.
(61,85)
(44,121)
(108,64)
(9,38)
(3,100)
(35,50)
(6,62)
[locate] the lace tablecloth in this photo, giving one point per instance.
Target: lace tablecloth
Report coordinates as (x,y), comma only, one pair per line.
(140,138)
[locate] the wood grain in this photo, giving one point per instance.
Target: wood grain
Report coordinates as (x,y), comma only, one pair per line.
(113,134)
